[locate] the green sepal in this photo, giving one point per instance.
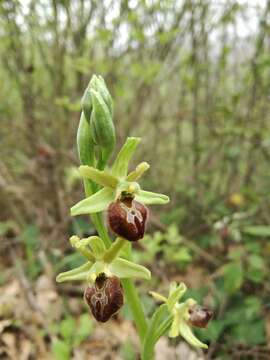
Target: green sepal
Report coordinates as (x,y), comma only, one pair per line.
(104,92)
(176,292)
(174,330)
(85,143)
(94,203)
(97,246)
(158,326)
(102,178)
(86,103)
(186,332)
(123,268)
(80,273)
(101,122)
(147,197)
(120,165)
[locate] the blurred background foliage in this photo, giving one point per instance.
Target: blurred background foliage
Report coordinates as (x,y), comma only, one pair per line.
(191,77)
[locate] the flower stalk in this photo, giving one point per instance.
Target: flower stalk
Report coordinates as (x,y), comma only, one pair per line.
(114,250)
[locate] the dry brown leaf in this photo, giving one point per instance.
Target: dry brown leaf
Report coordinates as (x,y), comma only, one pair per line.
(47,298)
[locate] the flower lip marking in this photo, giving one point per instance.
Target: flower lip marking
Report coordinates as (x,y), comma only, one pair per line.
(127,217)
(105,297)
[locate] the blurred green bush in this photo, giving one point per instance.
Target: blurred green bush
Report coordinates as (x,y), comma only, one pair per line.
(190,78)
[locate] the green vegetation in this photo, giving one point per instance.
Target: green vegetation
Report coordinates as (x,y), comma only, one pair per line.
(191,77)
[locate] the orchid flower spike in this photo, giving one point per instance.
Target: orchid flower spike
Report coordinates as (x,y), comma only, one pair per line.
(117,183)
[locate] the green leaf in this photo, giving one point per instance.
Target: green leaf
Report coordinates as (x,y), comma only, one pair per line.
(256,261)
(159,324)
(94,203)
(233,276)
(61,350)
(84,329)
(214,330)
(127,269)
(120,165)
(147,197)
(257,230)
(188,335)
(78,274)
(127,350)
(67,328)
(102,178)
(250,333)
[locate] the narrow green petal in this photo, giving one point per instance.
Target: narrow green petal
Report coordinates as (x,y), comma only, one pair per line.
(102,178)
(176,292)
(120,166)
(138,172)
(147,197)
(188,335)
(81,246)
(174,330)
(158,296)
(97,245)
(94,203)
(78,274)
(127,269)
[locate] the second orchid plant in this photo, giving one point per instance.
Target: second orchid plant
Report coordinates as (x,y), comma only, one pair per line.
(108,271)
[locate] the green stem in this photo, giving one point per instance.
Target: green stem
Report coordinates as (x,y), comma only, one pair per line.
(113,251)
(89,189)
(136,308)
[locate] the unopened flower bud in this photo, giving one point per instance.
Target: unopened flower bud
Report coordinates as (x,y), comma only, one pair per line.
(102,126)
(127,218)
(105,297)
(199,316)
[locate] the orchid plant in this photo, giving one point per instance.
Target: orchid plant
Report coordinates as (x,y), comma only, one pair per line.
(108,271)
